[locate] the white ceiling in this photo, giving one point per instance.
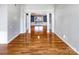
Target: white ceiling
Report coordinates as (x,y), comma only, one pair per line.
(39,8)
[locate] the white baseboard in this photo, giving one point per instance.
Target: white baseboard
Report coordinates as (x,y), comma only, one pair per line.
(67,43)
(13,38)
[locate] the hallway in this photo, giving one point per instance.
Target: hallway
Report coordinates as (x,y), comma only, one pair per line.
(30,44)
(42,29)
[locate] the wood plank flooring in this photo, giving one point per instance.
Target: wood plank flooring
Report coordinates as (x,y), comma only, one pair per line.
(37,43)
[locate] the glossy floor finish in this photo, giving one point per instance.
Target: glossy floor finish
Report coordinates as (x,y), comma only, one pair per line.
(37,43)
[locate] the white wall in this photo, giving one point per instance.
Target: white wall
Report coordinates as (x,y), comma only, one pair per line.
(23,19)
(13,21)
(67,24)
(53,22)
(3,24)
(9,22)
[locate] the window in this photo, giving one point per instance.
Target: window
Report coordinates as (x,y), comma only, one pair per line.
(32,18)
(45,18)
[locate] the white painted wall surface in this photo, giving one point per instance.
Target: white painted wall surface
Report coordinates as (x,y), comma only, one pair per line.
(13,21)
(48,24)
(53,22)
(23,19)
(3,24)
(67,23)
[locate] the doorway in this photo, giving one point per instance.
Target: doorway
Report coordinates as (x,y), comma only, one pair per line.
(38,24)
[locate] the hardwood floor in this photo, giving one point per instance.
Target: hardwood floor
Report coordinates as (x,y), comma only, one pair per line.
(37,43)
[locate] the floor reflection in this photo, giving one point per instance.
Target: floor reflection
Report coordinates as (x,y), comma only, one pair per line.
(37,43)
